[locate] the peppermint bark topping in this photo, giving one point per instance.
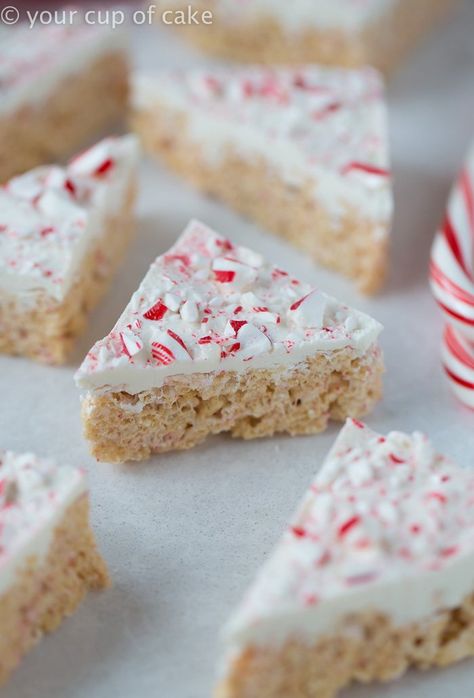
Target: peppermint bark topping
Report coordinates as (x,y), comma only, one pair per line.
(199,310)
(321,118)
(49,215)
(381,513)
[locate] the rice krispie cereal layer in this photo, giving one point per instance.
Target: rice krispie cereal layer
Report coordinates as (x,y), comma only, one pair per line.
(257,33)
(44,594)
(254,404)
(366,647)
(75,107)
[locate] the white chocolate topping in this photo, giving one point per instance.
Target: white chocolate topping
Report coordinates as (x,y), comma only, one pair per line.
(50,216)
(209,305)
(321,128)
(386,526)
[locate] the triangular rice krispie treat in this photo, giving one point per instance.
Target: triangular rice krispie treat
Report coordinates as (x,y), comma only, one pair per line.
(375,574)
(216,339)
(60,86)
(302,151)
(63,232)
(48,555)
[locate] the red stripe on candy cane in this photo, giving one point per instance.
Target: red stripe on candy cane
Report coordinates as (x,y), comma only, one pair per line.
(456,316)
(458,350)
(450,286)
(457,379)
(468,192)
(451,237)
(452,282)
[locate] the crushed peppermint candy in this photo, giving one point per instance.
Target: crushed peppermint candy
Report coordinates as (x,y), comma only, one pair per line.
(51,215)
(200,311)
(382,512)
(314,124)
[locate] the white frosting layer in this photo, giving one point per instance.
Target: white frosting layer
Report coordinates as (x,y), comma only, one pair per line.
(388,526)
(209,305)
(321,127)
(50,216)
(34,495)
(298,15)
(34,62)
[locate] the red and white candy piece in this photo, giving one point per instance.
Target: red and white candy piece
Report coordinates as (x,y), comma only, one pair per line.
(252,341)
(458,362)
(156,312)
(452,283)
(189,311)
(97,161)
(231,271)
(168,347)
(309,310)
(131,344)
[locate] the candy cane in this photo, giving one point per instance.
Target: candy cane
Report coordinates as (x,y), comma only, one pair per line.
(452,283)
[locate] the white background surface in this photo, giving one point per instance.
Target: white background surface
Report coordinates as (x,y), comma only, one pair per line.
(184,534)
